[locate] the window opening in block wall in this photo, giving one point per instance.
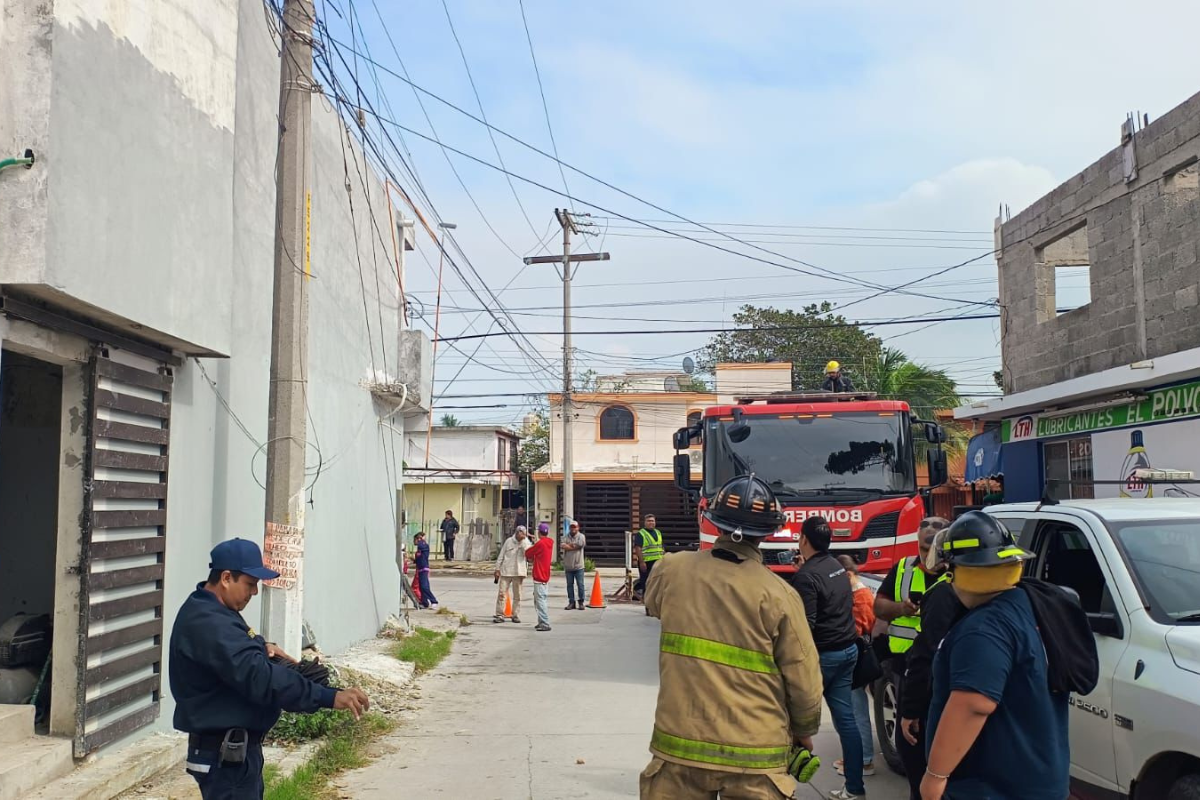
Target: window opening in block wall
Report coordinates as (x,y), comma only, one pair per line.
(1065,272)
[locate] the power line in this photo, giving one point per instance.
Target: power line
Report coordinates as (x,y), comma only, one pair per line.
(545,107)
(831,227)
(862,323)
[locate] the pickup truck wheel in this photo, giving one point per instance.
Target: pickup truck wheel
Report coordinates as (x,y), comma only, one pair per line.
(887,718)
(1185,788)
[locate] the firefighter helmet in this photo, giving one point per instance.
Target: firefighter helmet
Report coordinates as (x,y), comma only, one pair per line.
(745,506)
(832,367)
(977,539)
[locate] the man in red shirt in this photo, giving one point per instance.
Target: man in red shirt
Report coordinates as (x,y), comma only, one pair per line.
(541,554)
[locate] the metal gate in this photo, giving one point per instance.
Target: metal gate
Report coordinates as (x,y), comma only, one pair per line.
(123,547)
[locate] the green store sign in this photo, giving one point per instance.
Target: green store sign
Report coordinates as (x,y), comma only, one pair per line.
(1161,405)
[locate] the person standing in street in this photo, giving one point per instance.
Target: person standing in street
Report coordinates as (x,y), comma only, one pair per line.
(510,573)
(996,729)
(647,551)
(829,605)
(228,693)
(940,610)
(864,623)
(573,564)
(739,678)
(450,529)
(541,554)
(900,603)
(520,519)
(421,560)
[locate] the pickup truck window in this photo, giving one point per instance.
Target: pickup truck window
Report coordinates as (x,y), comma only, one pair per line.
(1165,555)
(1065,558)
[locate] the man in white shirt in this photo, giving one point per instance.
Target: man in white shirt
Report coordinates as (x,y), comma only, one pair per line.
(510,573)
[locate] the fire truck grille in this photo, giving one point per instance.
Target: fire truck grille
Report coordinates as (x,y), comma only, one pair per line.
(779,558)
(882,526)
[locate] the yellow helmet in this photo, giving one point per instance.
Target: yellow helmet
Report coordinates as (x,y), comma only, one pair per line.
(833,366)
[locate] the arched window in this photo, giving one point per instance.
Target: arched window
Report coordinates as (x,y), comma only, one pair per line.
(616,422)
(694,417)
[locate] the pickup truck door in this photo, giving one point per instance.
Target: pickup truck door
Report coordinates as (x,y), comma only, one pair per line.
(1068,555)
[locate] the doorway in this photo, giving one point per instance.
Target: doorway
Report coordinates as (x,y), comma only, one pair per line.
(31,394)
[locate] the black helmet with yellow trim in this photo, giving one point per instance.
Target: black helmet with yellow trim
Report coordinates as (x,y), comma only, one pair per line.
(977,539)
(745,506)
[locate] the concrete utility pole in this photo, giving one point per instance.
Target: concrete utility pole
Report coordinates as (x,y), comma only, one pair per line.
(569,226)
(282,612)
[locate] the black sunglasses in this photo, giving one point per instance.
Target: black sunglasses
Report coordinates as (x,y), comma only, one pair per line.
(936,524)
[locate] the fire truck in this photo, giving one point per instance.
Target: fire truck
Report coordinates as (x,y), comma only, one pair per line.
(848,457)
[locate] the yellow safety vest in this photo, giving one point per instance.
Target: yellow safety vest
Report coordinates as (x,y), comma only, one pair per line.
(902,631)
(652,546)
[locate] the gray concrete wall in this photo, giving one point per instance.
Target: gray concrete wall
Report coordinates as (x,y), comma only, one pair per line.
(155,196)
(1142,240)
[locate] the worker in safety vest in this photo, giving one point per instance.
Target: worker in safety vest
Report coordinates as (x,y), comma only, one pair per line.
(647,551)
(899,604)
(739,694)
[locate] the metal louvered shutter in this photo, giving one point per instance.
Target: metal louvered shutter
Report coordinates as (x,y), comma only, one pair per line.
(123,548)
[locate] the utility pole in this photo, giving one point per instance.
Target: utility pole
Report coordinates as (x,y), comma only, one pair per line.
(567,220)
(282,612)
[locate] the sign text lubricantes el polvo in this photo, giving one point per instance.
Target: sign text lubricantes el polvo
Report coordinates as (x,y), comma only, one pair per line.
(1160,405)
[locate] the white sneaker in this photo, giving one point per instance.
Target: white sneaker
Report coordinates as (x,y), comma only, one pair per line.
(433,606)
(868,769)
(843,794)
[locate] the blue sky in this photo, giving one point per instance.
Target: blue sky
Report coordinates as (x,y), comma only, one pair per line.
(924,115)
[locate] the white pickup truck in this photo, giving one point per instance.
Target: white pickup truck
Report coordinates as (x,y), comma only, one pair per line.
(1136,567)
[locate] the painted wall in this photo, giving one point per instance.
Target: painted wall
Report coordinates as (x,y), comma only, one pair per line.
(158,147)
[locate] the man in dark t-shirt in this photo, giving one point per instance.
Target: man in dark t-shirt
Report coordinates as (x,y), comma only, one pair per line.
(996,730)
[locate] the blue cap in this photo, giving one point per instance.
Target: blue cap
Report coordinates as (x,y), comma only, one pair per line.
(240,555)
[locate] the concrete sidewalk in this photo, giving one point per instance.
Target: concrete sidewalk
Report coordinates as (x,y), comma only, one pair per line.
(513,713)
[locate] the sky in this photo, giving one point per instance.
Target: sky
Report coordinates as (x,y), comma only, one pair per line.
(910,124)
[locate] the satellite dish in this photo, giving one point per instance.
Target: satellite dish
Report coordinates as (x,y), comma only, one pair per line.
(689,366)
(671,384)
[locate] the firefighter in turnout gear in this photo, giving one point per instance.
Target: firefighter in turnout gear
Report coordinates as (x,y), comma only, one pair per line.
(739,675)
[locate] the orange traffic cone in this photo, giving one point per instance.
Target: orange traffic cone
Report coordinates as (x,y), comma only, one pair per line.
(597,600)
(508,605)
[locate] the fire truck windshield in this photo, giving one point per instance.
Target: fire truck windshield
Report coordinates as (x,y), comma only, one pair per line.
(802,455)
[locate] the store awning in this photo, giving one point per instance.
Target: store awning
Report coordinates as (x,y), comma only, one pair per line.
(983,457)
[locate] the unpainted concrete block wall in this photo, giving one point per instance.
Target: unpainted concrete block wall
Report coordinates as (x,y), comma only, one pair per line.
(1143,245)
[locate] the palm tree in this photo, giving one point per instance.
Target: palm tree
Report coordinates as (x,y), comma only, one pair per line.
(449,421)
(925,389)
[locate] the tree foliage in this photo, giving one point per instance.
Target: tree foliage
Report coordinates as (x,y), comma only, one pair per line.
(808,338)
(926,390)
(449,421)
(534,452)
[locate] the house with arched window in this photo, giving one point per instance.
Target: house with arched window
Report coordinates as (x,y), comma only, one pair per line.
(623,452)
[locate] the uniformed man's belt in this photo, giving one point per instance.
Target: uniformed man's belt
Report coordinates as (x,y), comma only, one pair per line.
(211,741)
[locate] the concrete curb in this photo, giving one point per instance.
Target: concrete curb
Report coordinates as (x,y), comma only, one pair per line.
(106,776)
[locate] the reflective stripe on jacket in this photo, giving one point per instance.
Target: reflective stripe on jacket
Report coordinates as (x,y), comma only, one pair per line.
(739,674)
(902,631)
(652,546)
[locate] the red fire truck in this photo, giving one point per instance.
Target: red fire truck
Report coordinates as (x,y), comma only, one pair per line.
(849,458)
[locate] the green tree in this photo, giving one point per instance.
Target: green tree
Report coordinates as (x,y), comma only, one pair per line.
(893,377)
(808,338)
(534,452)
(449,421)
(694,383)
(998,377)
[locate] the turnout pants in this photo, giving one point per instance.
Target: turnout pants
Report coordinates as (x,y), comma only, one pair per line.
(228,781)
(505,585)
(664,780)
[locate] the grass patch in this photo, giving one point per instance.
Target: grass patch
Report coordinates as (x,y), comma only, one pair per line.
(425,648)
(588,565)
(344,749)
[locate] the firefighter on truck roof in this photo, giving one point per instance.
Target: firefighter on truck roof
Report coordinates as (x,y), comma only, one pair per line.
(739,694)
(835,381)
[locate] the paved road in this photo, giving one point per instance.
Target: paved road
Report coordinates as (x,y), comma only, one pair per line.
(513,713)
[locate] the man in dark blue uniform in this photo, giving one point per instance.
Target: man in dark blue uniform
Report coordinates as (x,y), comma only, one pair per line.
(228,693)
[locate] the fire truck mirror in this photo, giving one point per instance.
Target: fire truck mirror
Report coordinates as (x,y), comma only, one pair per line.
(934,433)
(683,472)
(682,439)
(739,432)
(939,473)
